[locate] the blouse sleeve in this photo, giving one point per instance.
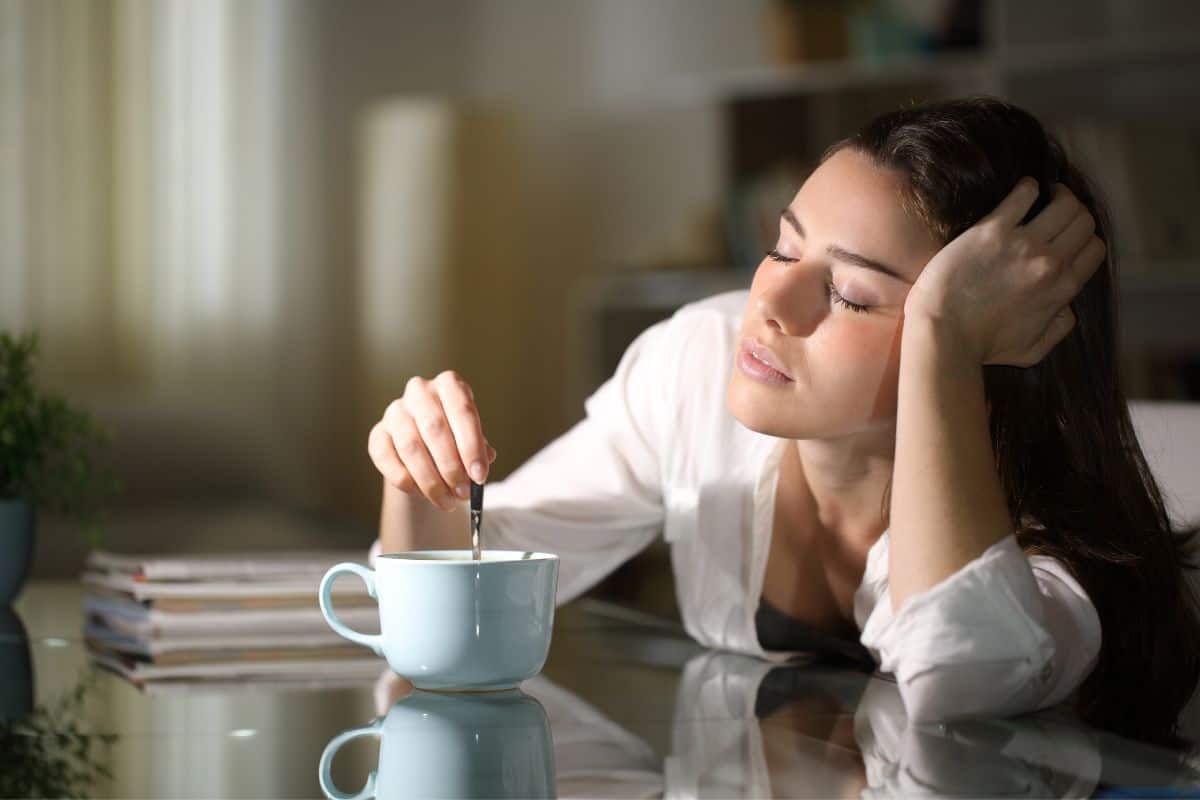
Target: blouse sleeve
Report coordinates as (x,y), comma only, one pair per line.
(1007,634)
(593,495)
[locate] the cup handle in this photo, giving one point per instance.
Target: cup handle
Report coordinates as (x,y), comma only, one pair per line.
(335,744)
(375,642)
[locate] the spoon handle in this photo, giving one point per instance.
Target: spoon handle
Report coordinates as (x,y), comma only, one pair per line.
(476,518)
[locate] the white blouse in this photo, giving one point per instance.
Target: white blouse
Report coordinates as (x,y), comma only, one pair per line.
(659,453)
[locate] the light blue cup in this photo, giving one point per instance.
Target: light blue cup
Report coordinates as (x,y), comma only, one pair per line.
(448,622)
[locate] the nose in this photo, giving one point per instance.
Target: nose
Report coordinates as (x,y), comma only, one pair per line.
(791,297)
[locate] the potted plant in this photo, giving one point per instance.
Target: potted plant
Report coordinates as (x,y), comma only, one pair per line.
(46,462)
(53,749)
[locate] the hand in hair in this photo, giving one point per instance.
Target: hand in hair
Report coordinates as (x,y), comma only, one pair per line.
(1001,289)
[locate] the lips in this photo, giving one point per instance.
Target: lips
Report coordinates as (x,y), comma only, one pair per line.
(765,355)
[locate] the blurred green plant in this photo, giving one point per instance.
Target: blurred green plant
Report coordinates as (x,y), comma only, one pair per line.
(47,447)
(48,752)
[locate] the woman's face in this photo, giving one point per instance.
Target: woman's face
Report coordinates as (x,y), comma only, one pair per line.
(843,362)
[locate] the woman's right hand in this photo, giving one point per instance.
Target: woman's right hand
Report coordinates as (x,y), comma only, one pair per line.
(428,436)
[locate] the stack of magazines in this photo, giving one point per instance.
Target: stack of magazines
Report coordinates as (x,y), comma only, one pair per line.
(221,617)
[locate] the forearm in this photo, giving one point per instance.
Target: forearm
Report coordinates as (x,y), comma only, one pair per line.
(413,523)
(947,503)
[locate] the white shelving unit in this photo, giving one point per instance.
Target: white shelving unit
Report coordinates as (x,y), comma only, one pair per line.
(990,66)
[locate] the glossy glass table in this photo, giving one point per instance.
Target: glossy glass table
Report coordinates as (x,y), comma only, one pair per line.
(626,707)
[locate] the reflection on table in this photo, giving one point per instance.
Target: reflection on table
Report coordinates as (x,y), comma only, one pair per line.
(624,708)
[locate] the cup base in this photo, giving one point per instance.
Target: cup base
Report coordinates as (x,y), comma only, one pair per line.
(483,687)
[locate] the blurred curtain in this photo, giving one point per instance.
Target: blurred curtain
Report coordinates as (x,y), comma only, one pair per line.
(55,171)
(158,217)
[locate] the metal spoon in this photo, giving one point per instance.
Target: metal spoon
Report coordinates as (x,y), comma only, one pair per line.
(476,517)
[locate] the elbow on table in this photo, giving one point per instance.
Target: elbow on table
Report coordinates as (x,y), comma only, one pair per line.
(949,692)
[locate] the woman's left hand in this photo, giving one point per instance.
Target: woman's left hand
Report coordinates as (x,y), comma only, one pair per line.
(1001,289)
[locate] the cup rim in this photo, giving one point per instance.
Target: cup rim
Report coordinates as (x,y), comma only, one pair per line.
(440,557)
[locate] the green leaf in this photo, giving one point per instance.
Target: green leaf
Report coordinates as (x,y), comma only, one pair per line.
(46,445)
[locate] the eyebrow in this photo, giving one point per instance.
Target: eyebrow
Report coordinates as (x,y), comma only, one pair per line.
(842,254)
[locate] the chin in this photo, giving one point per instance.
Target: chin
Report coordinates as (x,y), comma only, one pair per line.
(754,412)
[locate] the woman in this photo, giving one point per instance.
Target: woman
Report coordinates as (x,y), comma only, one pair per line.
(937,473)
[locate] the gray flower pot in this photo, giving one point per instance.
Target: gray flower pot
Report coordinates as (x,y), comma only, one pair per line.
(16,547)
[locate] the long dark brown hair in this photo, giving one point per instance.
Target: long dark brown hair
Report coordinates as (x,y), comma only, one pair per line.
(1077,483)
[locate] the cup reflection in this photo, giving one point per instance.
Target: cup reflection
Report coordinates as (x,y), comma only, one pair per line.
(432,744)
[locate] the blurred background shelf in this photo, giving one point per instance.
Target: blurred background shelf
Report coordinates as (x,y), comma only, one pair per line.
(981,64)
(833,76)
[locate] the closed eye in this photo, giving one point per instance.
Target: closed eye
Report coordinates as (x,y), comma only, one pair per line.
(775,255)
(842,254)
(837,298)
